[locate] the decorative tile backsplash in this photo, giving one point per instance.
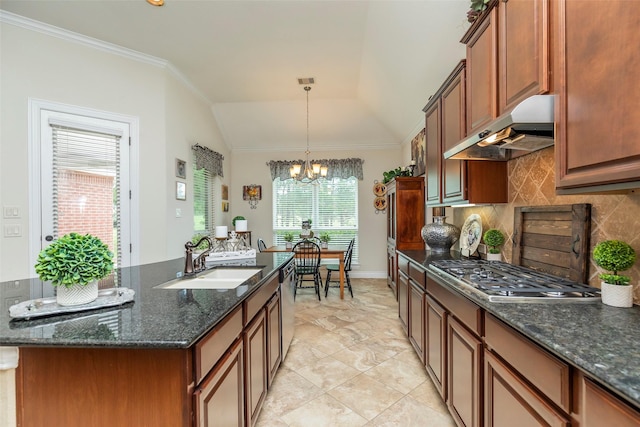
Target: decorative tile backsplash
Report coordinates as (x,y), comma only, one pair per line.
(532,183)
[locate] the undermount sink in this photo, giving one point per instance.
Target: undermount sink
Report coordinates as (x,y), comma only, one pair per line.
(219,278)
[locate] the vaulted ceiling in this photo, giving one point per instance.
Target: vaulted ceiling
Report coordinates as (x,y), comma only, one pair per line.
(375,63)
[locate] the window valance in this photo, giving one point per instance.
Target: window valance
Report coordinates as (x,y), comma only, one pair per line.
(338,168)
(208,159)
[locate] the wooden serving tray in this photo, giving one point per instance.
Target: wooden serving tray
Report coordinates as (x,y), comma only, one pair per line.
(553,239)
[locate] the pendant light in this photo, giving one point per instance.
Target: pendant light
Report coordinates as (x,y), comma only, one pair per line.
(309,173)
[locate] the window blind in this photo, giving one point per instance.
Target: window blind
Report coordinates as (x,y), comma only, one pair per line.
(332,206)
(203,196)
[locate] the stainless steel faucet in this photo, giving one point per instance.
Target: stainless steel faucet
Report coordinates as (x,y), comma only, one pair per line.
(193,266)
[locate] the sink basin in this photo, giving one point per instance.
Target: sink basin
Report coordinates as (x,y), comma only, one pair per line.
(219,278)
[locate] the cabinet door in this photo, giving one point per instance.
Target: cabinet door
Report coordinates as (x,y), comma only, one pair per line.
(255,347)
(436,345)
(391,212)
(509,401)
(482,74)
(416,319)
(453,130)
(434,155)
(597,132)
(274,337)
(220,398)
(523,61)
(597,407)
(391,269)
(464,365)
(403,301)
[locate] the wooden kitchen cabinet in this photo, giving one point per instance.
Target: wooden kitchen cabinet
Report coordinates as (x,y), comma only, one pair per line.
(220,399)
(597,136)
(403,301)
(436,345)
(595,406)
(255,344)
(416,318)
(392,270)
(452,181)
(510,401)
(274,337)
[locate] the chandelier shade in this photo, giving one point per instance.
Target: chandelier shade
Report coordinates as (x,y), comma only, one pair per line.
(308,173)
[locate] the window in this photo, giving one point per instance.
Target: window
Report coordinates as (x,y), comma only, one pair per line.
(331,205)
(203,197)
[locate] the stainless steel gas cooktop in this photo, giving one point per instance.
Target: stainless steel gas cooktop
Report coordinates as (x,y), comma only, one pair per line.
(502,282)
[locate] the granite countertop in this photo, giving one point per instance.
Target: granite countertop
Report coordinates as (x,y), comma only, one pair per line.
(157,318)
(602,341)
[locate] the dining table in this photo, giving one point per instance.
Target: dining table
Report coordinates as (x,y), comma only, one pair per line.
(330,252)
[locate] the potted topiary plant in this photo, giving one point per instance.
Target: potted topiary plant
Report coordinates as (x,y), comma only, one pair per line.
(239,223)
(74,263)
(494,239)
(288,238)
(615,256)
(324,239)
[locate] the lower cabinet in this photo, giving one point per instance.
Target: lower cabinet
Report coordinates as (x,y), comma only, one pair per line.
(255,344)
(274,337)
(416,318)
(464,364)
(436,345)
(510,401)
(597,407)
(403,300)
(220,398)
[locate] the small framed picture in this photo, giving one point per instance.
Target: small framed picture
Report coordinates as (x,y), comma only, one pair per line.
(252,192)
(181,190)
(225,206)
(225,192)
(181,169)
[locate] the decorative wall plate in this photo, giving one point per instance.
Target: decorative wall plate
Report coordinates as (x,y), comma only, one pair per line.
(470,235)
(379,189)
(380,203)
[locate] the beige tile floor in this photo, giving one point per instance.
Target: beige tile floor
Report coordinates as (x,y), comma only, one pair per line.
(350,364)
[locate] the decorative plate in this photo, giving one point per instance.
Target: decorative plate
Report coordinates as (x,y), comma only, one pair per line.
(470,235)
(380,203)
(379,189)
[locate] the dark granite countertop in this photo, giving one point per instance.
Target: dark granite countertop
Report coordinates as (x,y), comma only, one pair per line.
(602,341)
(157,318)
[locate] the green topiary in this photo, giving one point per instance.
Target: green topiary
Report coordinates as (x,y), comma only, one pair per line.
(493,238)
(235,218)
(74,259)
(288,236)
(615,256)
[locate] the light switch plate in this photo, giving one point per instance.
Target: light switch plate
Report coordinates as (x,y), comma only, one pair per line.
(178,213)
(12,230)
(11,211)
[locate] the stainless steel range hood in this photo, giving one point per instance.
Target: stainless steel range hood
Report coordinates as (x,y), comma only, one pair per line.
(528,127)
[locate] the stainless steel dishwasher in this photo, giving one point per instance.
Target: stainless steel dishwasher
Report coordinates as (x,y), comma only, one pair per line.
(287,283)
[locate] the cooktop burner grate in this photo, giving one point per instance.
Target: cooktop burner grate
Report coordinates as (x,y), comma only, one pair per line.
(500,279)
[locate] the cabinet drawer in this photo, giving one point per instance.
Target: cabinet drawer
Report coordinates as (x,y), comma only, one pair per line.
(543,370)
(418,275)
(257,301)
(464,310)
(403,265)
(213,346)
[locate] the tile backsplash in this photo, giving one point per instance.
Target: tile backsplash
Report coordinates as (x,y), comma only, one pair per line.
(532,183)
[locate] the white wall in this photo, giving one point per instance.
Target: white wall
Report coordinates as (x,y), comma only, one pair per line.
(36,65)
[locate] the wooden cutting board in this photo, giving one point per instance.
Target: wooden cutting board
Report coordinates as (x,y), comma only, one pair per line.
(553,239)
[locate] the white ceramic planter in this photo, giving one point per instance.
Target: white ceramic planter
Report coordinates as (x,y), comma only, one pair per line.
(494,257)
(241,224)
(77,294)
(616,295)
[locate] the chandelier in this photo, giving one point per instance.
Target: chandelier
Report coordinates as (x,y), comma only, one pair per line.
(312,173)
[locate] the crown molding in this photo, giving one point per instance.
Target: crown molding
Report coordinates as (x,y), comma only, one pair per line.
(70,36)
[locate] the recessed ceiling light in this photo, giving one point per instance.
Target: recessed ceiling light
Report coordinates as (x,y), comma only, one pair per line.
(156,2)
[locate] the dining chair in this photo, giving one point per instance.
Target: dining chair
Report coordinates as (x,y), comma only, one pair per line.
(307,262)
(261,245)
(336,267)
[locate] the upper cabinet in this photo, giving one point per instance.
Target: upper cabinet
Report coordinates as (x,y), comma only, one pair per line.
(507,58)
(597,114)
(451,181)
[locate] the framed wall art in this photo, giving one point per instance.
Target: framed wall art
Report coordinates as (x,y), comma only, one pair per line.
(419,153)
(181,169)
(225,206)
(181,190)
(225,192)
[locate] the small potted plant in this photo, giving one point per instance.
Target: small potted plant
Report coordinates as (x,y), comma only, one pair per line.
(324,239)
(239,223)
(288,238)
(494,239)
(615,256)
(306,229)
(74,263)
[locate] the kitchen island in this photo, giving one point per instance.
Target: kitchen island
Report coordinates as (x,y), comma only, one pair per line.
(592,350)
(152,361)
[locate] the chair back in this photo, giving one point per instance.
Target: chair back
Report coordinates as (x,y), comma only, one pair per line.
(307,256)
(349,255)
(261,245)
